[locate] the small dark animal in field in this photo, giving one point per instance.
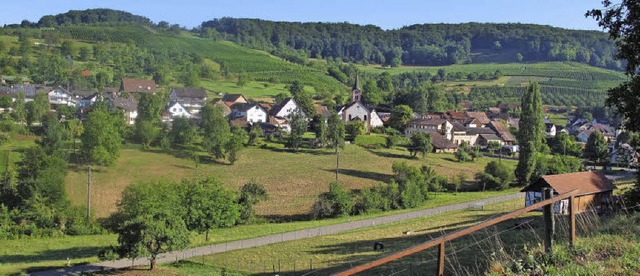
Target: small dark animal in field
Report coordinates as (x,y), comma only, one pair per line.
(378,246)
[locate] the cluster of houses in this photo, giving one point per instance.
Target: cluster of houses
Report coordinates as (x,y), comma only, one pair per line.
(448,130)
(187,102)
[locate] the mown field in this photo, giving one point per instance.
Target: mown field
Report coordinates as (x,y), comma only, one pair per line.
(293,180)
(352,248)
(51,252)
(606,245)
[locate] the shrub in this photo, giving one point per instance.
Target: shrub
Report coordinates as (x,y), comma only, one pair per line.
(496,176)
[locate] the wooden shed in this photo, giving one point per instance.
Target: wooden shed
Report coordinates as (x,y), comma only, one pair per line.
(593,189)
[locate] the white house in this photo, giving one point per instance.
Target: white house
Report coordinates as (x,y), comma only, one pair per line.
(175,110)
(253,113)
(284,109)
(441,126)
(192,98)
(61,97)
(550,128)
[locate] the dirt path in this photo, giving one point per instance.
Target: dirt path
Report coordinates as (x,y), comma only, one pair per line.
(276,238)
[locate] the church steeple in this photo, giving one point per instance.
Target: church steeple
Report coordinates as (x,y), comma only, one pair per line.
(356,92)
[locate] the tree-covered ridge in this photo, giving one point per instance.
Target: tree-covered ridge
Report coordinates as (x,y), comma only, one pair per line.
(423,44)
(91,16)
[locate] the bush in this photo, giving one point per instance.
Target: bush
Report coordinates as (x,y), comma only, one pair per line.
(337,202)
(496,176)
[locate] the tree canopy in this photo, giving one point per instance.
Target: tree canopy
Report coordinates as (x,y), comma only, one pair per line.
(531,133)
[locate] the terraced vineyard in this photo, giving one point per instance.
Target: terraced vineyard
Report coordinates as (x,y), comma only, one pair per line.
(257,65)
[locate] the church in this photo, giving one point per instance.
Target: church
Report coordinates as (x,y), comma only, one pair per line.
(357,111)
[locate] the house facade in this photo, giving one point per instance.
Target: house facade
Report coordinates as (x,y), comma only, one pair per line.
(441,126)
(285,108)
(192,98)
(175,110)
(252,113)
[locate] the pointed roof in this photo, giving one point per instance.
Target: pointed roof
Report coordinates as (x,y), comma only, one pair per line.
(356,85)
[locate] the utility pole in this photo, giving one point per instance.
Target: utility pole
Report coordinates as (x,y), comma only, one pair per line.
(88,193)
(337,163)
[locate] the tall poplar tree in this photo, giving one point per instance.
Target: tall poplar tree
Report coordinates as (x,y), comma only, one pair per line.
(531,133)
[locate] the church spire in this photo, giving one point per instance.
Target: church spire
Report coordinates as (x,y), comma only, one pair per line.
(357,84)
(356,92)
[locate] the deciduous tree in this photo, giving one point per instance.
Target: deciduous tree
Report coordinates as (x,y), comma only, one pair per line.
(216,130)
(101,138)
(420,143)
(400,117)
(208,205)
(596,148)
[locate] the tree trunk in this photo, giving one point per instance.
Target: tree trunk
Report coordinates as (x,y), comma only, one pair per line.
(206,235)
(152,266)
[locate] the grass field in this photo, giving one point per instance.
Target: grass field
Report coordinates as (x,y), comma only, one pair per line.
(24,255)
(11,153)
(356,246)
(293,180)
(47,253)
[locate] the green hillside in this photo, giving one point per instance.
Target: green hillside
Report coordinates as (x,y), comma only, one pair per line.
(234,60)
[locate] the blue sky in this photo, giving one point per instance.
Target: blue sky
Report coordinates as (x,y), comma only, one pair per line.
(388,14)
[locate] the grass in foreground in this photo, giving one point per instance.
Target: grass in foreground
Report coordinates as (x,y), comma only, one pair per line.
(34,254)
(351,247)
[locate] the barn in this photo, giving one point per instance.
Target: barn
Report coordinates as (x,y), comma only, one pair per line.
(593,189)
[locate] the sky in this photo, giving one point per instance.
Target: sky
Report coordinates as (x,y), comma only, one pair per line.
(387,14)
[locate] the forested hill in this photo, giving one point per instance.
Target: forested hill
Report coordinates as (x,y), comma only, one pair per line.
(425,44)
(90,16)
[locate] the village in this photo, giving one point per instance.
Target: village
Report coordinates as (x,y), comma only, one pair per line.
(448,130)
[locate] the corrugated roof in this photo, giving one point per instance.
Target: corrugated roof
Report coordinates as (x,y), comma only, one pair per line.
(584,182)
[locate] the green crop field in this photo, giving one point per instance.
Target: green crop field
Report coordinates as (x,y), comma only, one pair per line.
(294,180)
(565,70)
(561,83)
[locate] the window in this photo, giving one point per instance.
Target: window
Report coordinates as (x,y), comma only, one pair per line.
(365,117)
(349,117)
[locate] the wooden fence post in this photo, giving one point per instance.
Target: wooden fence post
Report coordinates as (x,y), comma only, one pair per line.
(549,223)
(572,220)
(441,259)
